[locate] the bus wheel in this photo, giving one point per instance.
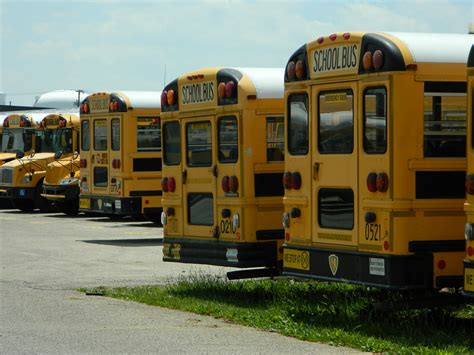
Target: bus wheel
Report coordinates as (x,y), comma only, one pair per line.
(40,202)
(24,205)
(71,207)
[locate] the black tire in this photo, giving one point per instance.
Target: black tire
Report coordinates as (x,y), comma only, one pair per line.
(24,205)
(43,204)
(70,207)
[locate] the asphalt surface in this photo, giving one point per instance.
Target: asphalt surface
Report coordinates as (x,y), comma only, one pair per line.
(45,258)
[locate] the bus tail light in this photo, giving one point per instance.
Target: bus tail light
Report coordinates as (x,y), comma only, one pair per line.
(468,231)
(377,59)
(221,90)
(164,184)
(5,123)
(171,184)
(470,184)
(116,163)
(287,237)
(382,182)
(83,163)
(386,245)
(367,61)
(22,123)
(291,70)
(300,69)
(470,251)
(233,184)
(296,181)
(372,182)
(225,184)
(164,97)
(287,180)
(441,264)
(170,97)
(229,89)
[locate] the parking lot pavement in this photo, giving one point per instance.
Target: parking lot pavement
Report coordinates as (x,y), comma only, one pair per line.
(45,258)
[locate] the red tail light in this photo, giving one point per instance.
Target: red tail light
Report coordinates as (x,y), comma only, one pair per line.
(470,184)
(170,97)
(377,59)
(296,181)
(164,98)
(441,264)
(299,69)
(229,89)
(287,180)
(372,182)
(83,163)
(333,37)
(233,183)
(367,60)
(116,163)
(5,123)
(291,71)
(470,251)
(225,184)
(164,184)
(171,184)
(221,90)
(22,123)
(382,182)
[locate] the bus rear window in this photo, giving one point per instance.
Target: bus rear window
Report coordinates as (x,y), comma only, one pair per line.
(375,120)
(298,124)
(445,124)
(200,209)
(336,122)
(199,144)
(171,143)
(228,138)
(275,138)
(85,135)
(149,137)
(115,129)
(100,135)
(336,208)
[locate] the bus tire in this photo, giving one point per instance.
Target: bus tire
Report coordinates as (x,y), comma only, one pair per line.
(24,205)
(40,202)
(70,208)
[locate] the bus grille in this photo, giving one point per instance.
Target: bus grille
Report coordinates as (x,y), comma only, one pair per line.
(6,176)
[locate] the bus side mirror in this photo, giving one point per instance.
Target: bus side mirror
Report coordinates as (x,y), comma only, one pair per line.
(20,154)
(58,155)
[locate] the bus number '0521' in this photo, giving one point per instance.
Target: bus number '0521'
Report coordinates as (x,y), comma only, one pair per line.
(372,231)
(226,227)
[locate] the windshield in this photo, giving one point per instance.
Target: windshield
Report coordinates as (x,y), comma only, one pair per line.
(54,140)
(16,139)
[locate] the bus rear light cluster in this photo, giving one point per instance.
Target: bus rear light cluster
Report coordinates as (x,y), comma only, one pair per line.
(167,97)
(373,61)
(62,122)
(442,264)
(83,163)
(470,251)
(168,184)
(113,106)
(296,70)
(116,163)
(470,184)
(226,90)
(377,182)
(291,180)
(230,184)
(84,108)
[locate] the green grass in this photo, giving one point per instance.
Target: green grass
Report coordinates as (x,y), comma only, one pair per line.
(337,314)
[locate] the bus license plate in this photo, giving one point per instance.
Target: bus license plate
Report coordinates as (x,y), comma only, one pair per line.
(469,280)
(85,203)
(296,259)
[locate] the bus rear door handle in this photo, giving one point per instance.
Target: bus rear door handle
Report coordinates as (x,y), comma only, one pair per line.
(316,167)
(215,171)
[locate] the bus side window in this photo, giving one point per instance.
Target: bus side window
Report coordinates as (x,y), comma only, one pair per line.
(275,138)
(445,120)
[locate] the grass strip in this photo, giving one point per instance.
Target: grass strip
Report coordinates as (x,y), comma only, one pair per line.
(335,314)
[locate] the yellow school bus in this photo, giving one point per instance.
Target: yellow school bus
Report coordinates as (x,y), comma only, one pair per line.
(469,204)
(222,167)
(375,159)
(61,183)
(120,165)
(17,134)
(21,180)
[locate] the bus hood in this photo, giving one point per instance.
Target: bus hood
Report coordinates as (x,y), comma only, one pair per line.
(6,157)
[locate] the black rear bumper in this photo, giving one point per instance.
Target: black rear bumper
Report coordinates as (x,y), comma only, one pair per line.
(118,206)
(221,253)
(376,270)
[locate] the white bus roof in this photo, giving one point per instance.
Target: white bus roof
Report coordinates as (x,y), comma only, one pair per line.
(38,115)
(142,99)
(437,47)
(268,81)
(63,99)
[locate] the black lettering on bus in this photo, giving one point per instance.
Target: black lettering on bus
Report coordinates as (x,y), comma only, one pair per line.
(354,56)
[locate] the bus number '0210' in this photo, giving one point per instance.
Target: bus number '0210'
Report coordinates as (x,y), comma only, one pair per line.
(373,231)
(226,227)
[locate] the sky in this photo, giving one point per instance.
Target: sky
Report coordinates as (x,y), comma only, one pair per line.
(105,45)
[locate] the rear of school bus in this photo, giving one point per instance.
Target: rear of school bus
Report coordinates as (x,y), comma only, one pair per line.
(223,164)
(120,164)
(61,183)
(22,178)
(469,204)
(376,157)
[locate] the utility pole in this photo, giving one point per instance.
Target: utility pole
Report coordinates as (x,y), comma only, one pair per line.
(79,97)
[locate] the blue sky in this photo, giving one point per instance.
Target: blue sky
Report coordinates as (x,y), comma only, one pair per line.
(125,45)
